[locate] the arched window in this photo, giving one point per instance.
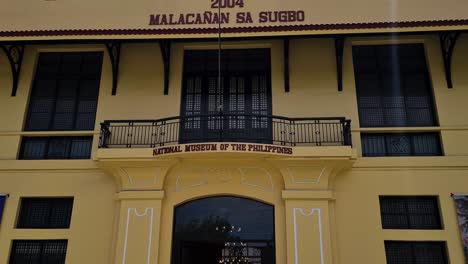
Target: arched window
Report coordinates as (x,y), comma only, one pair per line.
(223,229)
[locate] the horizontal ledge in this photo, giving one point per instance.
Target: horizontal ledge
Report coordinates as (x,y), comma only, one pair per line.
(414,234)
(49,233)
(458,194)
(49,165)
(392,163)
(330,28)
(49,133)
(139,195)
(307,195)
(408,129)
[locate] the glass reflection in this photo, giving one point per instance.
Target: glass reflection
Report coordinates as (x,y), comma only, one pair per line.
(223,230)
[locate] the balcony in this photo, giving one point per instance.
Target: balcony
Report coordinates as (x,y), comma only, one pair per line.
(273,130)
(306,152)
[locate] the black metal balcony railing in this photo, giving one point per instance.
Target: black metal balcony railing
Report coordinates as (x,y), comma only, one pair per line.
(278,130)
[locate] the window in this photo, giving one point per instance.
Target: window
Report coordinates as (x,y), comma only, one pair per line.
(65,92)
(45,213)
(410,252)
(239,106)
(410,212)
(2,204)
(400,144)
(38,252)
(56,148)
(393,86)
(63,98)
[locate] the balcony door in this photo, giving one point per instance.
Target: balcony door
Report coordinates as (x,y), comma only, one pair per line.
(235,110)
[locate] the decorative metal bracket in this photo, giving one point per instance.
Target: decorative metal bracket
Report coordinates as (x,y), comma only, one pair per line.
(286,64)
(113,49)
(448,39)
(15,57)
(339,47)
(165,46)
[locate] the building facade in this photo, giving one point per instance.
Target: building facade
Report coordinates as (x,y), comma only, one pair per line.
(233,132)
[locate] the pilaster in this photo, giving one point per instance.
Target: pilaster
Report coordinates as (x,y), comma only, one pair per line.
(140,198)
(308,231)
(308,198)
(139,227)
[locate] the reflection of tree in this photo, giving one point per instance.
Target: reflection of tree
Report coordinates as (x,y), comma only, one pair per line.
(462,211)
(209,229)
(218,230)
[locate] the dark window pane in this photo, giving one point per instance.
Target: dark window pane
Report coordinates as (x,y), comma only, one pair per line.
(38,251)
(80,148)
(400,144)
(61,212)
(415,252)
(45,213)
(49,65)
(45,88)
(395,79)
(62,81)
(86,114)
(67,88)
(54,252)
(71,63)
(426,144)
(408,212)
(92,63)
(56,148)
(89,88)
(398,253)
(429,253)
(34,213)
(33,148)
(26,252)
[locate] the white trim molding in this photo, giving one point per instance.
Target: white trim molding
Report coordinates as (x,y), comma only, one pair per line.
(179,188)
(312,211)
(132,181)
(293,177)
(135,212)
(242,171)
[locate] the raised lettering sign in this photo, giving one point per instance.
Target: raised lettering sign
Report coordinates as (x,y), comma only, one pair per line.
(211,17)
(220,147)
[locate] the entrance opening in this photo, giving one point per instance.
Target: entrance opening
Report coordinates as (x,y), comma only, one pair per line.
(237,109)
(223,229)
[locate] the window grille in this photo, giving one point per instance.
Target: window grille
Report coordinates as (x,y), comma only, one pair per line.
(56,148)
(38,252)
(45,213)
(400,144)
(412,252)
(410,212)
(393,86)
(65,92)
(233,107)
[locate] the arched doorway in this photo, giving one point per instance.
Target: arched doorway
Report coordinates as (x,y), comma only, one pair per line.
(223,229)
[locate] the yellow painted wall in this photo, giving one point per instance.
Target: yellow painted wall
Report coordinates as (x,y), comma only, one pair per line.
(91,229)
(359,230)
(346,197)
